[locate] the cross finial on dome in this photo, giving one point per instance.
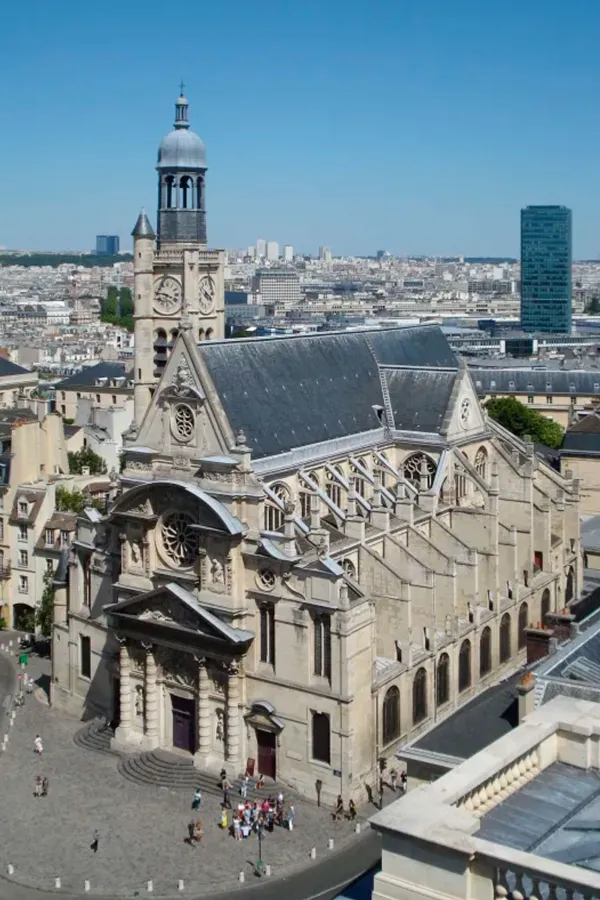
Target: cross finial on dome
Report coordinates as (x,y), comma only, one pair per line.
(181,110)
(181,88)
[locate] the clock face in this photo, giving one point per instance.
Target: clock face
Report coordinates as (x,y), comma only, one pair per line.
(206,294)
(167,295)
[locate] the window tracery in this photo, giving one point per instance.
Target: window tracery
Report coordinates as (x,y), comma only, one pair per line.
(184,422)
(179,539)
(481,460)
(412,468)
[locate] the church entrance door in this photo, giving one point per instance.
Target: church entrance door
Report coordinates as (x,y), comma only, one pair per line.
(267,753)
(184,723)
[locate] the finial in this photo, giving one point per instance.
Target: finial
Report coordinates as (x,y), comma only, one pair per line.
(240,439)
(181,111)
(181,88)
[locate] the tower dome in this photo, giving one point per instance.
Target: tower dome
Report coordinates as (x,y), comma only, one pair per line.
(181,148)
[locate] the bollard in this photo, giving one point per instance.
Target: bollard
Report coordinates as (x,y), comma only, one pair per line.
(150,887)
(13,714)
(330,845)
(5,739)
(313,853)
(267,869)
(242,878)
(10,869)
(86,886)
(10,645)
(357,829)
(180,885)
(57,883)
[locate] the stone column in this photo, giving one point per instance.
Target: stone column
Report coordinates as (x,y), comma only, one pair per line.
(124,731)
(204,720)
(151,737)
(233,714)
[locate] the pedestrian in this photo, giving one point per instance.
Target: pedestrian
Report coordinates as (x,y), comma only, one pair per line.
(29,685)
(38,747)
(380,793)
(260,782)
(37,790)
(198,830)
(45,786)
(339,808)
(223,823)
(351,810)
(197,799)
(96,839)
(393,779)
(244,786)
(290,817)
(191,833)
(226,790)
(237,828)
(403,782)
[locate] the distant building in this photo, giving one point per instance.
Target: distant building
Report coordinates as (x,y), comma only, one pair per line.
(325,254)
(272,250)
(277,286)
(107,244)
(261,248)
(288,253)
(546,259)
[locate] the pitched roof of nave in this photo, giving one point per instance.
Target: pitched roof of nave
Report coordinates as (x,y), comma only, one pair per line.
(287,392)
(419,398)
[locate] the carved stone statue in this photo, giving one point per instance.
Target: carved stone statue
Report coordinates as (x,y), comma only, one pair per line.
(136,553)
(217,571)
(220,725)
(139,701)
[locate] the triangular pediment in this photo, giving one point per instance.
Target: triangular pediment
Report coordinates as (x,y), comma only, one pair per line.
(174,608)
(464,417)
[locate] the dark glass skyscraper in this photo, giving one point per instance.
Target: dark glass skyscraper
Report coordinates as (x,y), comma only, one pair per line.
(107,244)
(546,258)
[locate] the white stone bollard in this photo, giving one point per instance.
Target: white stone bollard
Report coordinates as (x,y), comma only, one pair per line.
(13,714)
(357,829)
(330,845)
(242,877)
(150,887)
(10,645)
(3,647)
(267,869)
(10,869)
(57,883)
(5,739)
(180,885)
(313,853)
(86,886)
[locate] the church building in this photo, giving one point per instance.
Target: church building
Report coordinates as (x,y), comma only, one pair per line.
(321,546)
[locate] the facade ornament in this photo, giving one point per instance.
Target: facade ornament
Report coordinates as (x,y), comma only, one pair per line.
(217,571)
(139,701)
(240,439)
(137,554)
(288,507)
(220,726)
(183,380)
(323,548)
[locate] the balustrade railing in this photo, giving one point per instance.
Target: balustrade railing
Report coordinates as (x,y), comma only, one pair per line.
(501,784)
(523,885)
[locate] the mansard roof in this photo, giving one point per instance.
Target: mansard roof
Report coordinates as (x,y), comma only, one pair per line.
(287,392)
(536,381)
(420,397)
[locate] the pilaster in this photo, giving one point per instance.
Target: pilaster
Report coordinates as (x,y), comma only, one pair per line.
(151,737)
(233,715)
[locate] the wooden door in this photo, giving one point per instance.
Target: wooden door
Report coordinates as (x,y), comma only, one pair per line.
(267,753)
(184,719)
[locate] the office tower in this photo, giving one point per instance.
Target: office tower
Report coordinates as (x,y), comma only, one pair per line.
(251,252)
(107,244)
(261,248)
(277,286)
(272,250)
(325,254)
(546,257)
(288,253)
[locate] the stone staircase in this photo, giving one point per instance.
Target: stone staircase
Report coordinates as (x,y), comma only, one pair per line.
(160,768)
(95,736)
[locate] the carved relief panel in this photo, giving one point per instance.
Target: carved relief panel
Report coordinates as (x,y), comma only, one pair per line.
(177,668)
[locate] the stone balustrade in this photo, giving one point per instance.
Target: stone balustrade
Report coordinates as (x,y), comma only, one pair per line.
(524,885)
(501,784)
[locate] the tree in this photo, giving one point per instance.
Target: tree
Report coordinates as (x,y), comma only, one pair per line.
(521,420)
(69,501)
(86,458)
(44,615)
(593,307)
(117,308)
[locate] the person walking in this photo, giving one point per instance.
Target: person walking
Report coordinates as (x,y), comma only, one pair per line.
(244,786)
(351,810)
(45,786)
(197,799)
(95,841)
(38,747)
(192,832)
(381,793)
(403,782)
(226,797)
(37,790)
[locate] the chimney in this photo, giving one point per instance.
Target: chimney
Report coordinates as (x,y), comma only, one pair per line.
(289,530)
(540,643)
(526,696)
(562,624)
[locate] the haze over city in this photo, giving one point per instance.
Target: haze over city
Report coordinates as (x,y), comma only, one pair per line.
(421,128)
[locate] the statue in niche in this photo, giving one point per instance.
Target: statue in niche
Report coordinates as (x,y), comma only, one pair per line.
(139,701)
(220,726)
(136,553)
(217,571)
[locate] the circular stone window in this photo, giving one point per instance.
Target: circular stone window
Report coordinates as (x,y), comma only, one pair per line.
(179,539)
(265,579)
(184,422)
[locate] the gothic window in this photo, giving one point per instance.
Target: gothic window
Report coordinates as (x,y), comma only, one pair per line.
(201,334)
(464,666)
(273,513)
(545,606)
(485,652)
(569,586)
(322,646)
(412,467)
(304,500)
(460,483)
(265,579)
(360,483)
(184,422)
(179,539)
(442,679)
(505,638)
(481,460)
(321,737)
(333,488)
(523,621)
(349,568)
(209,334)
(391,715)
(420,696)
(267,634)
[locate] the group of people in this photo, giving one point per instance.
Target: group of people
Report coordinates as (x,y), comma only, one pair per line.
(41,786)
(340,813)
(256,817)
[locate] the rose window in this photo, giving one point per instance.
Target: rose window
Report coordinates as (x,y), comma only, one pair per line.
(183,422)
(180,540)
(265,579)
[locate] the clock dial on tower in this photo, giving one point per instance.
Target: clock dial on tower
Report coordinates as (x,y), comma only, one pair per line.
(167,295)
(206,294)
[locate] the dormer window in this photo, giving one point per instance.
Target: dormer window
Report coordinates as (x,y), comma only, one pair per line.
(511,385)
(23,508)
(530,386)
(548,386)
(492,384)
(49,537)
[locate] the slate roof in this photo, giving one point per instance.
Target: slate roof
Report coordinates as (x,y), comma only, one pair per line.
(536,381)
(287,392)
(89,375)
(583,437)
(11,417)
(419,398)
(10,368)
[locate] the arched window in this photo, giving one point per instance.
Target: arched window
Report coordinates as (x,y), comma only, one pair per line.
(160,351)
(460,483)
(349,568)
(485,652)
(442,678)
(464,666)
(505,638)
(186,197)
(480,464)
(170,198)
(523,622)
(545,606)
(413,466)
(321,737)
(391,715)
(360,484)
(200,193)
(333,488)
(274,513)
(420,697)
(304,501)
(201,334)
(569,586)
(209,334)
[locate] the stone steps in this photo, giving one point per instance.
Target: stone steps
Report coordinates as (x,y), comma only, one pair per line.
(163,769)
(95,736)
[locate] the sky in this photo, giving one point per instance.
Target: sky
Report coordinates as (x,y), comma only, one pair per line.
(413,126)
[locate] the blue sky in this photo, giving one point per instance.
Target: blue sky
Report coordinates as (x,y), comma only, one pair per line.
(416,126)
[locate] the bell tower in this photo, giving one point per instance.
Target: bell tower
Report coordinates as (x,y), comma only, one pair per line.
(178,281)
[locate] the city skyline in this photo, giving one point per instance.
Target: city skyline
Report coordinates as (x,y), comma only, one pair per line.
(428,143)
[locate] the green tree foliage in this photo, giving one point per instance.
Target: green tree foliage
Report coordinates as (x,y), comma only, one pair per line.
(117,308)
(44,614)
(58,259)
(521,420)
(69,501)
(593,306)
(80,459)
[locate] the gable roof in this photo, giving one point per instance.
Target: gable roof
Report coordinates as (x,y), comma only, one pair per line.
(583,437)
(10,368)
(419,397)
(287,392)
(90,374)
